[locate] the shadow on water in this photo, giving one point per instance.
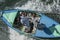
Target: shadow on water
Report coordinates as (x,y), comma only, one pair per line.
(4,34)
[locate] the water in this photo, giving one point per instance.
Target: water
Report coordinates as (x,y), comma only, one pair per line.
(38,5)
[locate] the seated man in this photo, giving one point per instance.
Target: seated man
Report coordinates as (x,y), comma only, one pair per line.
(17,23)
(30,28)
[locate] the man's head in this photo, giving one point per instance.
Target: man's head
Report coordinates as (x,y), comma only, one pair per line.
(34,14)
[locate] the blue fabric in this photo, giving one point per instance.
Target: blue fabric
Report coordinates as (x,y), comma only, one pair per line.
(25,21)
(46,32)
(47,21)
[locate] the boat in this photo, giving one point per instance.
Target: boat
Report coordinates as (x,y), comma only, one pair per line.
(47,24)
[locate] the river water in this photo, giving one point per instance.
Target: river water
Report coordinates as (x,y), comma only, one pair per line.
(38,5)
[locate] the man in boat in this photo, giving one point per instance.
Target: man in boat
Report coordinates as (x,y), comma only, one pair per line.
(25,21)
(35,20)
(17,23)
(31,25)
